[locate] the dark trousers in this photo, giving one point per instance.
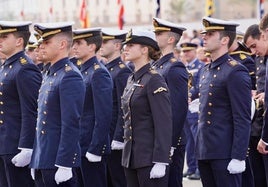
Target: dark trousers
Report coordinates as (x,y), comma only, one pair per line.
(46,178)
(141,178)
(214,173)
(116,175)
(190,129)
(94,174)
(176,167)
(12,176)
(247,175)
(259,163)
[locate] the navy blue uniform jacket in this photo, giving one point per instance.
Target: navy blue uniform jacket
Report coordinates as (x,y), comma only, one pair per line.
(176,77)
(97,113)
(60,104)
(225,107)
(20,80)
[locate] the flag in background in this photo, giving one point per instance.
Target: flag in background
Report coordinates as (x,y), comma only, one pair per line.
(120,14)
(260,8)
(209,8)
(84,20)
(157,13)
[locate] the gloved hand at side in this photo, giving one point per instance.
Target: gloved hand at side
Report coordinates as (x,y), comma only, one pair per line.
(92,157)
(236,166)
(63,174)
(158,171)
(23,158)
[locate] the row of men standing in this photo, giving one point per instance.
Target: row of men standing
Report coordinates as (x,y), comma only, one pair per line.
(69,100)
(57,106)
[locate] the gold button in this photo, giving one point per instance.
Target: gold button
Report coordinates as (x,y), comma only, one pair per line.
(209,104)
(130,127)
(214,76)
(43,132)
(45,102)
(218,68)
(211,85)
(1,121)
(1,84)
(130,138)
(45,112)
(1,93)
(36,128)
(1,112)
(55,74)
(73,162)
(208,122)
(1,102)
(209,113)
(210,93)
(43,122)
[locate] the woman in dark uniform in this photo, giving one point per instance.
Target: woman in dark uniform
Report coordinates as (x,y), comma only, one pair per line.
(147,116)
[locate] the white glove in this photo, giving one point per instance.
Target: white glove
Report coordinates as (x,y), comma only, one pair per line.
(236,166)
(194,106)
(93,158)
(116,145)
(33,173)
(253,108)
(63,174)
(23,158)
(158,171)
(172,151)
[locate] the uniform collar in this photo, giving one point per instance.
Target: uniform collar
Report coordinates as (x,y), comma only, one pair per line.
(224,58)
(14,57)
(113,63)
(89,63)
(58,65)
(164,59)
(141,71)
(192,63)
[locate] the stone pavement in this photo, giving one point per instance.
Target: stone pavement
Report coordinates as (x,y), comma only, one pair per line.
(191,183)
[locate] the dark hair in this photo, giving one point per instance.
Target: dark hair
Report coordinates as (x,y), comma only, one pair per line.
(153,53)
(264,22)
(252,31)
(25,35)
(97,40)
(230,34)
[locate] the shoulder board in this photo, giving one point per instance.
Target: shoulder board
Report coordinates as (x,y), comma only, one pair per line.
(173,60)
(240,52)
(122,65)
(96,66)
(152,71)
(232,62)
(23,60)
(68,68)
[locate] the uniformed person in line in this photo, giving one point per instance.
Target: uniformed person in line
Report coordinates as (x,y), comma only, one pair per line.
(41,63)
(111,50)
(96,118)
(193,66)
(176,76)
(239,52)
(56,151)
(20,80)
(258,161)
(30,48)
(147,115)
(225,109)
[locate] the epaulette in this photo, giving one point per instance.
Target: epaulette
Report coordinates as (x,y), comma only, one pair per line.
(242,54)
(153,71)
(23,60)
(96,66)
(232,62)
(172,60)
(68,68)
(122,65)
